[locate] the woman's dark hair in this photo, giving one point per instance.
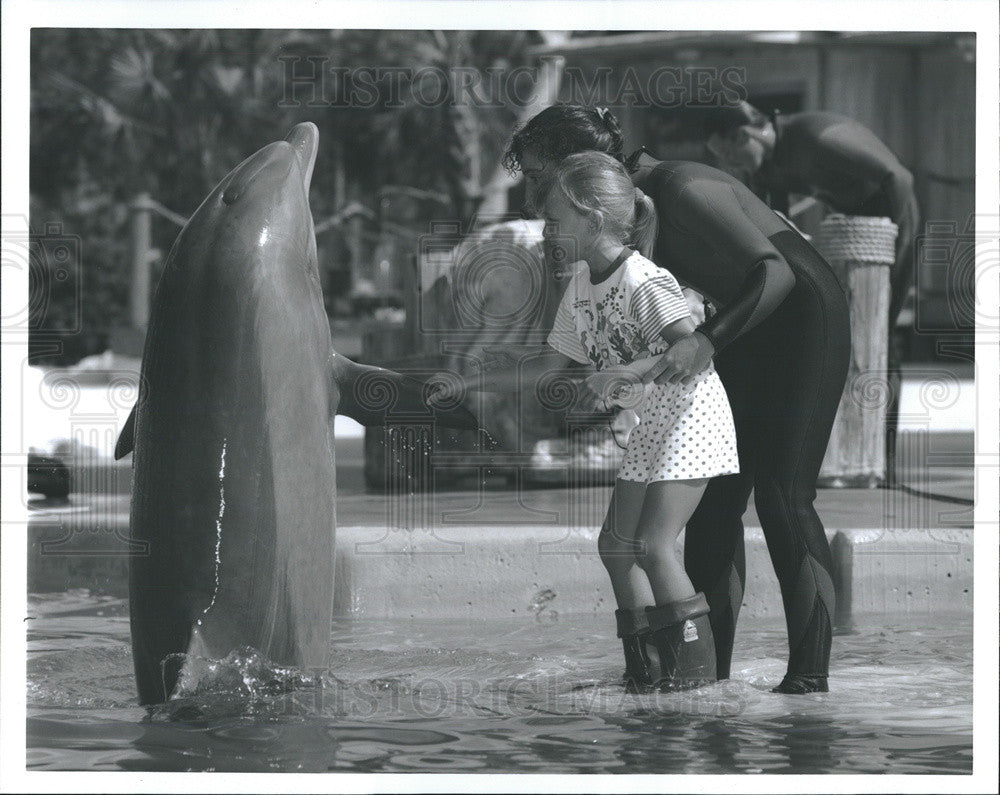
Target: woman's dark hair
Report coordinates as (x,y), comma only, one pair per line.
(725,120)
(563,130)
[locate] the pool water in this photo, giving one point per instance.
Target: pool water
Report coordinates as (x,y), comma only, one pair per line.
(537,694)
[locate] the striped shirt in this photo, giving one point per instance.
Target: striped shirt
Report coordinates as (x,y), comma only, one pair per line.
(619,319)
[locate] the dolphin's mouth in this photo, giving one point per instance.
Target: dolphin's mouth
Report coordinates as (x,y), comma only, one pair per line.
(304,138)
(303,141)
(245,177)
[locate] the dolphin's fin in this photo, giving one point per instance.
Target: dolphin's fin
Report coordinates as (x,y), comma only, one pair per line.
(375,396)
(126,439)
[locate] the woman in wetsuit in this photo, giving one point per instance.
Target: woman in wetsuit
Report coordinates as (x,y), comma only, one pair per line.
(842,163)
(780,340)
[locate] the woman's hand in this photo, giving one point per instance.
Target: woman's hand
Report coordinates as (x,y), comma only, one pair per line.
(686,357)
(696,304)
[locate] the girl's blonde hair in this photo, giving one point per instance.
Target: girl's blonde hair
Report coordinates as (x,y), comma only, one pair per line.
(593,182)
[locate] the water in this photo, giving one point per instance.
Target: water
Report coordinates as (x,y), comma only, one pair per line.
(532,694)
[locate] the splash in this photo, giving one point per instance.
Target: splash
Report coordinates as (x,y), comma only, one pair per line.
(540,606)
(488,440)
(218,527)
(245,683)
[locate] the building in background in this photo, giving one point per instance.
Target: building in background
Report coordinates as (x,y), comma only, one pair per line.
(915,91)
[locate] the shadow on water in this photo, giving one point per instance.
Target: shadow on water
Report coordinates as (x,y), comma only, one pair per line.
(793,743)
(503,696)
(249,746)
(679,745)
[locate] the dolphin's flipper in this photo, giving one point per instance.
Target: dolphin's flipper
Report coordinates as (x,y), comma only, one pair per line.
(375,396)
(126,439)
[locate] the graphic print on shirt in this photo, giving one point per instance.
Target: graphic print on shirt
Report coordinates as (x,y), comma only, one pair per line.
(685,432)
(620,319)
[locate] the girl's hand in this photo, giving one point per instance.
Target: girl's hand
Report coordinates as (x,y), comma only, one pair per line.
(685,358)
(622,426)
(616,388)
(446,390)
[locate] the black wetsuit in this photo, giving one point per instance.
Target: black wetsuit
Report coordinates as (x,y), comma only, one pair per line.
(782,339)
(844,164)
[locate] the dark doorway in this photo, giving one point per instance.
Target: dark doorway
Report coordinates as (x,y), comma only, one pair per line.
(784,101)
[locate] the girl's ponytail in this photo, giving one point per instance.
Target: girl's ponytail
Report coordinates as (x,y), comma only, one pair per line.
(645,225)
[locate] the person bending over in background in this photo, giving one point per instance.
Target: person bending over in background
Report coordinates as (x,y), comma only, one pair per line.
(840,162)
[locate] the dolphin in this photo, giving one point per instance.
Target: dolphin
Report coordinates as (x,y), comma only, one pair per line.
(234,492)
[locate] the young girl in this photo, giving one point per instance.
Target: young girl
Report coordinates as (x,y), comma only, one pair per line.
(617,314)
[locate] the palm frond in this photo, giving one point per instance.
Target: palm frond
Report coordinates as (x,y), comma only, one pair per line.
(107,113)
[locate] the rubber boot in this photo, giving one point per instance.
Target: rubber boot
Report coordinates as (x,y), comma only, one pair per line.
(684,642)
(641,659)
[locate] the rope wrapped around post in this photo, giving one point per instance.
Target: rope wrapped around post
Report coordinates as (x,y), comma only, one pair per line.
(861,250)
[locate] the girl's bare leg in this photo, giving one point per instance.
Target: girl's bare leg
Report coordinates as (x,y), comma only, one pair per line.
(618,548)
(666,508)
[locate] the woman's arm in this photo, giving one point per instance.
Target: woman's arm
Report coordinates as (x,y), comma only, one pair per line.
(739,237)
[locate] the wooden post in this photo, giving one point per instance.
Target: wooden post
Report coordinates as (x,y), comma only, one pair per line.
(355,244)
(411,301)
(842,549)
(140,250)
(860,250)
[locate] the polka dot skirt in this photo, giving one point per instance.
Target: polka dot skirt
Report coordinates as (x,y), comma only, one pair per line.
(684,433)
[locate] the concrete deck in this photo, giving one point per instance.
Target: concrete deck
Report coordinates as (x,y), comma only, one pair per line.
(480,554)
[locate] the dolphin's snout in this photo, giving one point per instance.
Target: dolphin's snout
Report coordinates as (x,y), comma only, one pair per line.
(272,165)
(304,138)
